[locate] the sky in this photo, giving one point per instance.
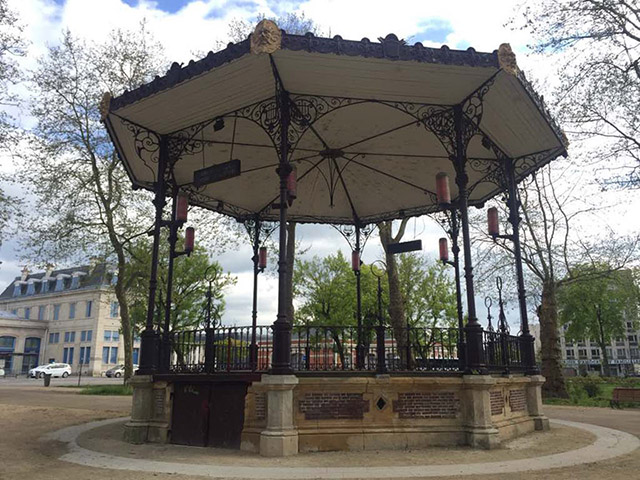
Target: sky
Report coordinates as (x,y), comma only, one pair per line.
(185,27)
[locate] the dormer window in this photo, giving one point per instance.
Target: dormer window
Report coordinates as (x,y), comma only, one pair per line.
(45,286)
(31,288)
(75,279)
(17,289)
(114,278)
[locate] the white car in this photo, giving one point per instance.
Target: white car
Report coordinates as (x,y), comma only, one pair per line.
(55,369)
(118,371)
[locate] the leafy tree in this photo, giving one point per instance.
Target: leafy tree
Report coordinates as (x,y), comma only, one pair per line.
(552,243)
(428,292)
(191,277)
(599,306)
(597,45)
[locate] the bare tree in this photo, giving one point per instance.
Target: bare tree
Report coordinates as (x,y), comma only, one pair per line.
(84,202)
(553,242)
(597,44)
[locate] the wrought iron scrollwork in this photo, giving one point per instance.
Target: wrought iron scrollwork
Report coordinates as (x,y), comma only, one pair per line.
(266,228)
(348,232)
(146,144)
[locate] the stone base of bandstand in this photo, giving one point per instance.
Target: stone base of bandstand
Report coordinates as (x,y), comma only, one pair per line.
(332,413)
(150,411)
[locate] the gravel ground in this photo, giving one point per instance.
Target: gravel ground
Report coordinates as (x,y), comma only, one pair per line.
(28,413)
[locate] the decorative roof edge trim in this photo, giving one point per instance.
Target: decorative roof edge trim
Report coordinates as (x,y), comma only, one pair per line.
(389,47)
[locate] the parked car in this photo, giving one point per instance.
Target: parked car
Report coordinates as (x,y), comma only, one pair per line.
(55,369)
(118,371)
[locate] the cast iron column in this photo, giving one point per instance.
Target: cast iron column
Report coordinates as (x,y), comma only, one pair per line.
(148,339)
(526,339)
(455,248)
(253,348)
(281,362)
(360,353)
(474,357)
(165,361)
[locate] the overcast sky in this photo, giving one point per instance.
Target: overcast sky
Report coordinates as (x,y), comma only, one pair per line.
(184,27)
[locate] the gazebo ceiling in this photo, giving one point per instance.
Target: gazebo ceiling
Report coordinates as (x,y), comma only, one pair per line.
(370,125)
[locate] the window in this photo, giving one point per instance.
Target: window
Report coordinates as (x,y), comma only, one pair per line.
(622,353)
(27,312)
(635,353)
(114,355)
(72,310)
(107,335)
(75,281)
(45,286)
(582,344)
(54,337)
(67,355)
(570,353)
(59,284)
(69,337)
(7,343)
(32,345)
(619,342)
(115,335)
(136,355)
(595,353)
(87,312)
(41,312)
(114,309)
(633,339)
(629,325)
(89,335)
(569,343)
(31,288)
(582,353)
(83,337)
(56,312)
(85,355)
(17,290)
(105,355)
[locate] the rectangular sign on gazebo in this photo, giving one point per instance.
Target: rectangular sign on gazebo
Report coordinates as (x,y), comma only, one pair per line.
(216,173)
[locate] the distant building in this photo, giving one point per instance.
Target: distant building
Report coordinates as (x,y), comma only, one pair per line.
(584,357)
(68,315)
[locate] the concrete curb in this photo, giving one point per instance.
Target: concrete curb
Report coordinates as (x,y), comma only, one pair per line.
(609,443)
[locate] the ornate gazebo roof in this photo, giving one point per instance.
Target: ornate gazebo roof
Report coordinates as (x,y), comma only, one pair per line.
(371,124)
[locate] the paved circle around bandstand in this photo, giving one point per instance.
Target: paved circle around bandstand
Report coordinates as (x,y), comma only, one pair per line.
(609,443)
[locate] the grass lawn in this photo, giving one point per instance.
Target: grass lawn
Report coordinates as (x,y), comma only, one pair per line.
(106,390)
(601,394)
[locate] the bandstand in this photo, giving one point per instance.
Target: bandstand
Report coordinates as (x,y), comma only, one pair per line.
(285,127)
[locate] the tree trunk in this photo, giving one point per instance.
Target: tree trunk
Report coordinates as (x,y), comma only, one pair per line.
(291,256)
(397,317)
(603,346)
(125,319)
(551,355)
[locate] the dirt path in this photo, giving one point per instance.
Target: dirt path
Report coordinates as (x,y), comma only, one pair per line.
(28,413)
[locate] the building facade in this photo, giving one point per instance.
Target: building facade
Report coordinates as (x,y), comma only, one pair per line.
(68,315)
(584,357)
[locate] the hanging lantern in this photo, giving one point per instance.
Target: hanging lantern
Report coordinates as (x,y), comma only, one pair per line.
(189,239)
(182,205)
(442,189)
(493,221)
(355,261)
(292,185)
(444,250)
(262,258)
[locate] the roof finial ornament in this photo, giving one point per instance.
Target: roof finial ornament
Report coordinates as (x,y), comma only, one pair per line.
(266,38)
(105,103)
(507,59)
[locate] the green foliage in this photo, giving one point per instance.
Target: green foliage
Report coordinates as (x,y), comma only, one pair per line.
(107,390)
(592,391)
(598,305)
(191,276)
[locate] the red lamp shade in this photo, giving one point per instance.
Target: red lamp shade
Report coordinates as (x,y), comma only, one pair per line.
(444,250)
(189,239)
(182,205)
(292,183)
(493,221)
(262,257)
(442,189)
(355,261)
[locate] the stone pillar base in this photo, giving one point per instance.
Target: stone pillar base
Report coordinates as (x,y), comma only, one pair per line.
(280,439)
(486,438)
(278,444)
(136,430)
(541,423)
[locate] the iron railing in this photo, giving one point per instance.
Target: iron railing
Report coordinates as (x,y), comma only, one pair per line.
(502,352)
